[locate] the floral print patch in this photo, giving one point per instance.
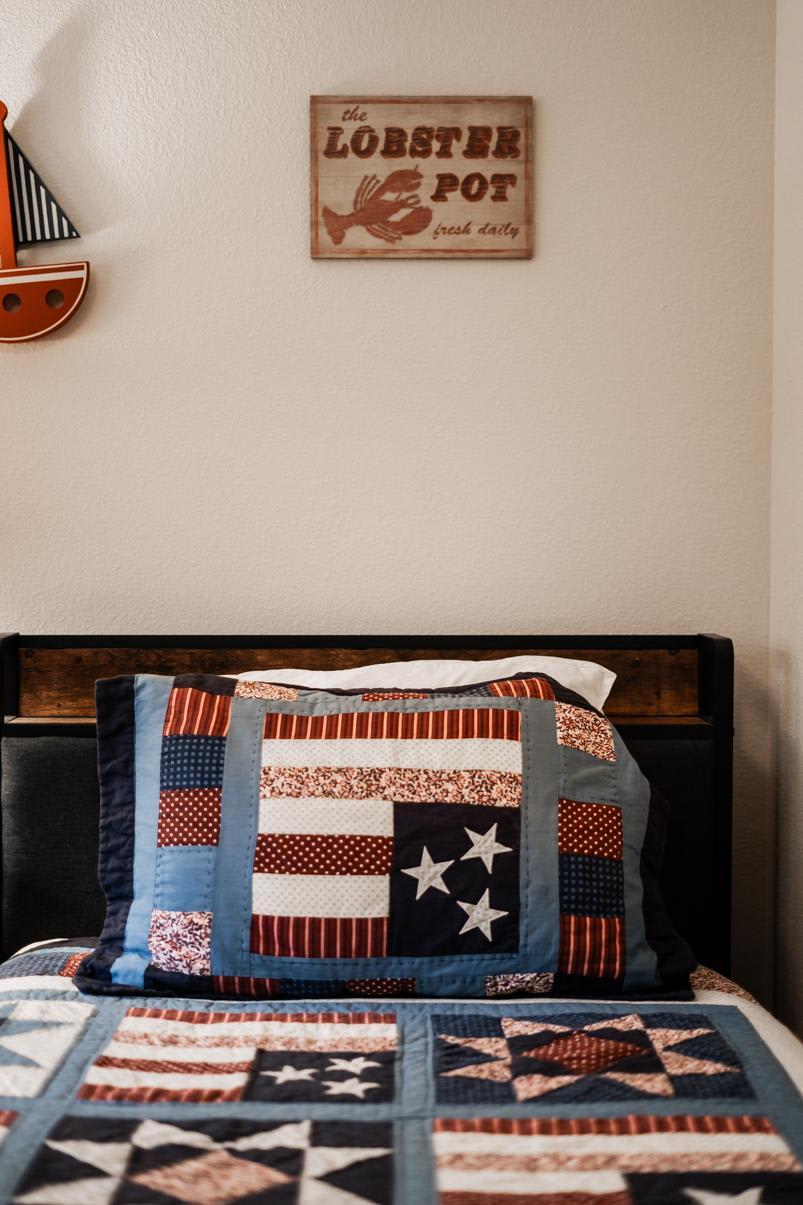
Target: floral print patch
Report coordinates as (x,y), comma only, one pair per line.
(584,730)
(181,941)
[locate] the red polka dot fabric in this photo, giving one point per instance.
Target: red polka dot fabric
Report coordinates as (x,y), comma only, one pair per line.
(323,853)
(590,828)
(381,696)
(190,816)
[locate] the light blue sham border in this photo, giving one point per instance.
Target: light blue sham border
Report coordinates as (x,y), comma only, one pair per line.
(151,694)
(592,780)
(239,821)
(641,961)
(539,888)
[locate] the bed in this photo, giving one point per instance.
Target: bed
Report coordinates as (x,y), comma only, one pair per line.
(156,1098)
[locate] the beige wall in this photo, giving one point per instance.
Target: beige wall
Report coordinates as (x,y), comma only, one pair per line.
(786,619)
(231,437)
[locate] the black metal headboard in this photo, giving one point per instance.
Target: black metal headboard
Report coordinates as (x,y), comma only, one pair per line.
(672,702)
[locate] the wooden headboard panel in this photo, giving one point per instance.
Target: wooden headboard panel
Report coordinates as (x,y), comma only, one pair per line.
(672,701)
(659,678)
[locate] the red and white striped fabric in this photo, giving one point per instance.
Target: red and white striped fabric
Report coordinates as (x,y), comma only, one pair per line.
(589,1159)
(192,712)
(464,723)
(522,688)
(592,945)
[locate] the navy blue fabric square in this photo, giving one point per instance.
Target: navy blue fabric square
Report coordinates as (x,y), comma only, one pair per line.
(339,1077)
(591,886)
(454,884)
(192,761)
(763,1187)
(311,989)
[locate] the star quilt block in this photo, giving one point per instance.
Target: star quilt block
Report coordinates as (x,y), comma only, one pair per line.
(129,1161)
(35,1037)
(584,1057)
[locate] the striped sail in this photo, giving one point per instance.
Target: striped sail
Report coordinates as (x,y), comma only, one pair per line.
(35,212)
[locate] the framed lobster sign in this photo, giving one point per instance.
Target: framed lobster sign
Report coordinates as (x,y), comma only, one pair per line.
(416,176)
(36,300)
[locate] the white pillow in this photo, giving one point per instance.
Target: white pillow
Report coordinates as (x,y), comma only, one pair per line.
(588,679)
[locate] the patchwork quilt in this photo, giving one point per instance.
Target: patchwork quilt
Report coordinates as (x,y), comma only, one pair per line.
(131,1100)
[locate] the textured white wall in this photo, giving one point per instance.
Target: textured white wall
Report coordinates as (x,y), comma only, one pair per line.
(786,616)
(231,437)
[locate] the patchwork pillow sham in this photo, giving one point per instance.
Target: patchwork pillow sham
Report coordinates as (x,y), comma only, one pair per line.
(268,841)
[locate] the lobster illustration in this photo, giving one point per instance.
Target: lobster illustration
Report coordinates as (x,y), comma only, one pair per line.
(376,202)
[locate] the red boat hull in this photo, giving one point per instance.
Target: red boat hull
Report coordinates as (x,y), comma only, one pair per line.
(36,301)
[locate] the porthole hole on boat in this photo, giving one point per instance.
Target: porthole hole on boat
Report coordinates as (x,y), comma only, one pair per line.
(55,299)
(11,302)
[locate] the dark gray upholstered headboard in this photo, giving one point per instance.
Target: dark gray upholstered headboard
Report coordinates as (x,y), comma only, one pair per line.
(673,703)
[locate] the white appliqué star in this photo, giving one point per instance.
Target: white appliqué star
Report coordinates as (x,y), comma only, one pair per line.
(357,1065)
(485,846)
(351,1087)
(429,874)
(287,1073)
(704,1196)
(480,915)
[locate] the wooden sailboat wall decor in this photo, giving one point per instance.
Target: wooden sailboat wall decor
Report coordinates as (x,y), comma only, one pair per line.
(33,301)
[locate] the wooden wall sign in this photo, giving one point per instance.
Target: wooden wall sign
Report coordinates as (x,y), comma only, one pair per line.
(415,176)
(33,301)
